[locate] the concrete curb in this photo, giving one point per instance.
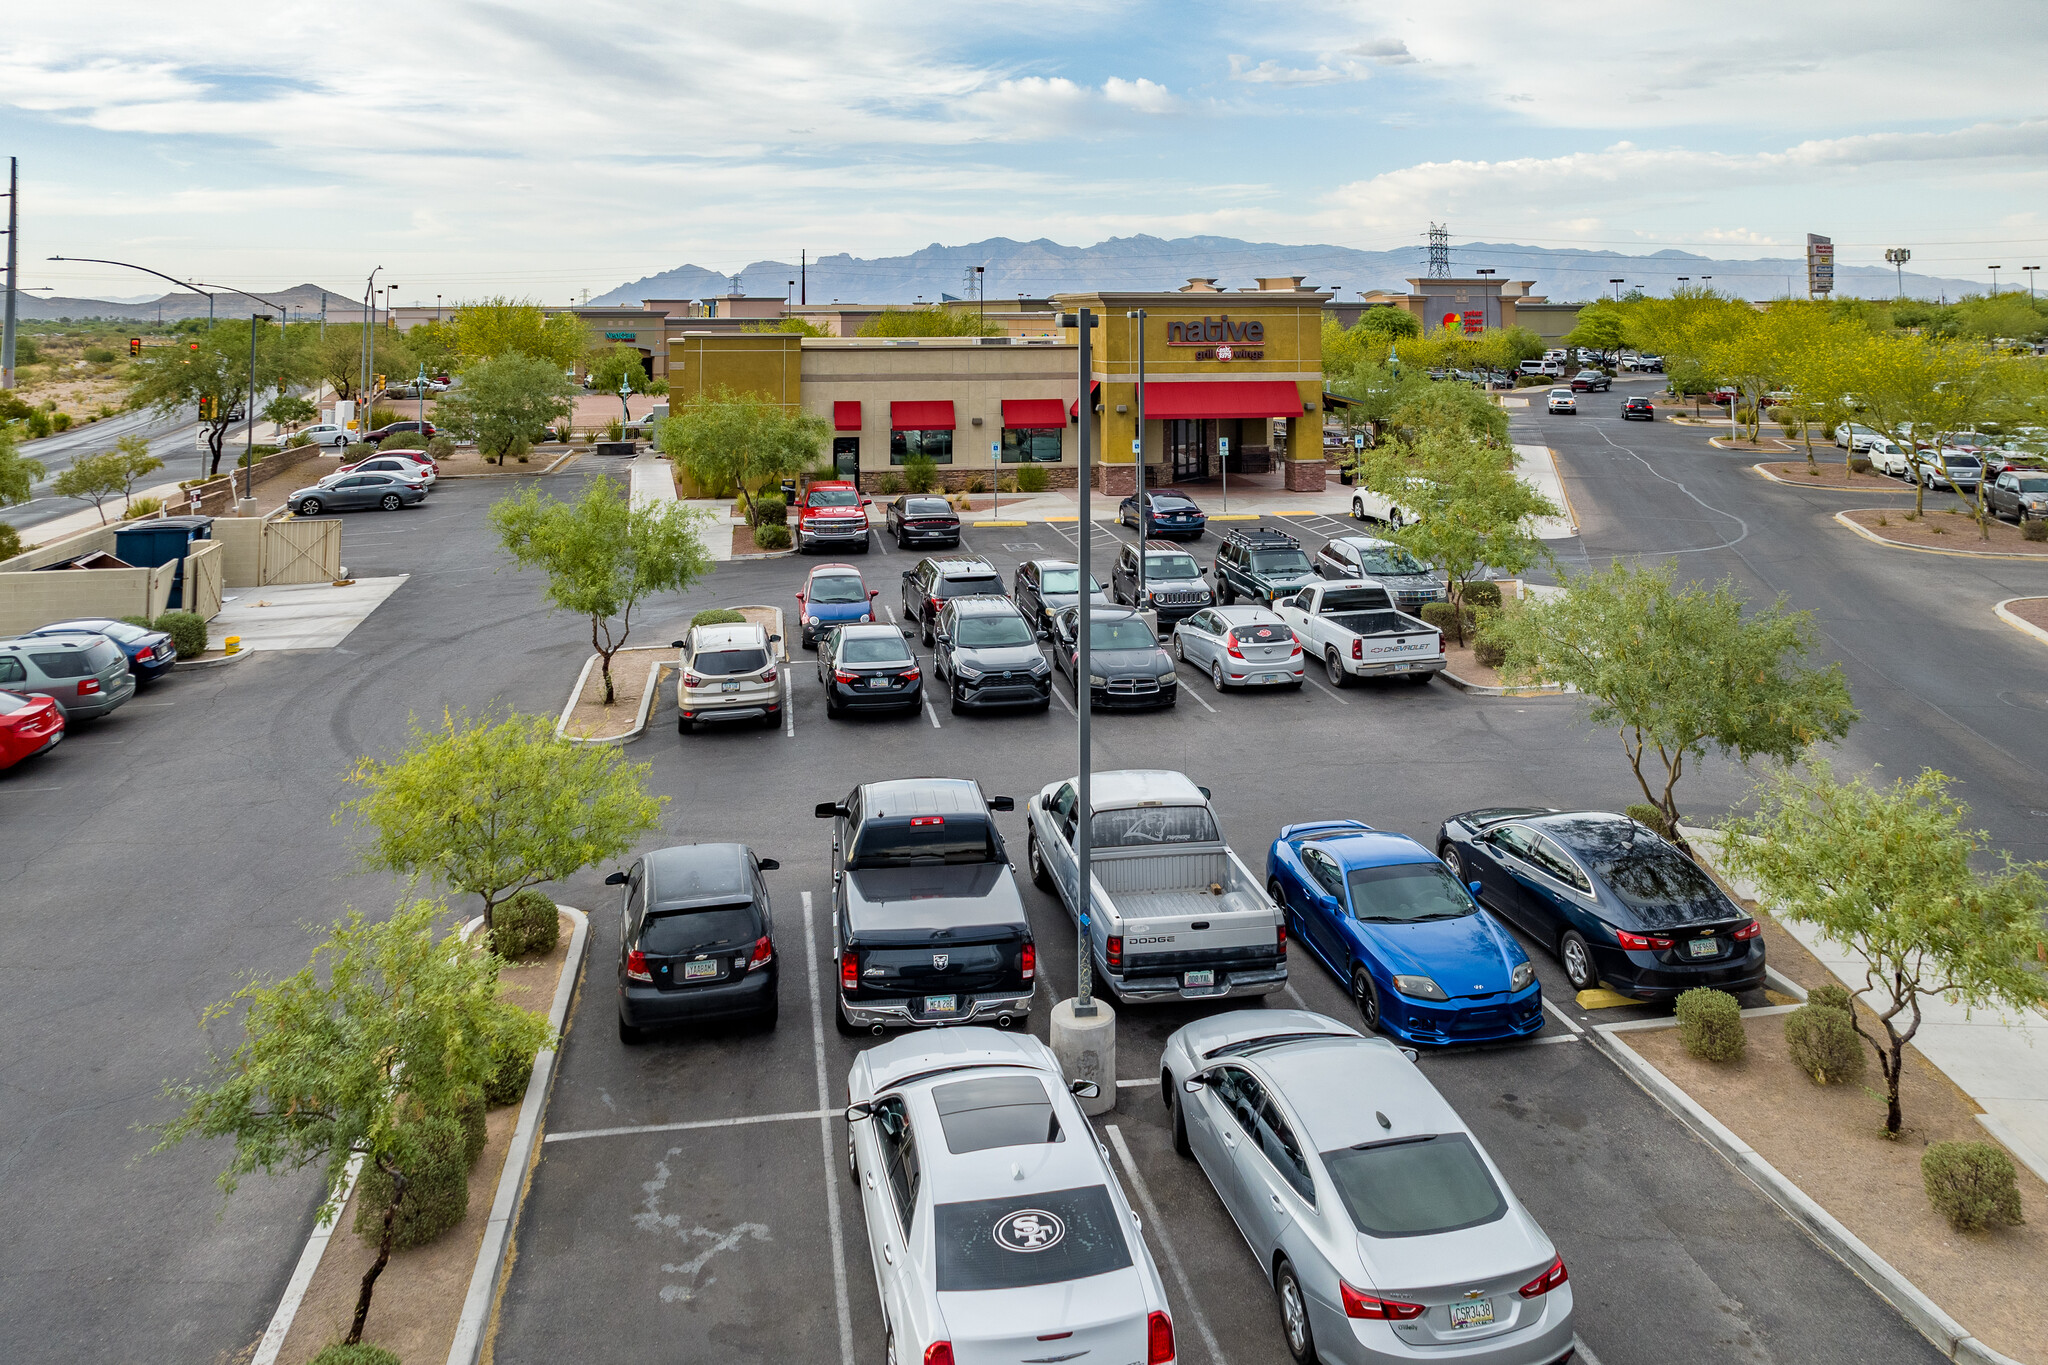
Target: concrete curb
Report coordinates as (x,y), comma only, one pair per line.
(514,473)
(1926,1316)
(1876,539)
(478,1303)
(2012,619)
(1794,483)
(647,696)
(222,661)
(1480,690)
(302,1274)
(1571,512)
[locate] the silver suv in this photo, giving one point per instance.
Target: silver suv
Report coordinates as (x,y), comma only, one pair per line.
(729,673)
(86,675)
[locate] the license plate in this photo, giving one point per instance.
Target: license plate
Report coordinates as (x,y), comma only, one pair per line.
(729,687)
(1269,677)
(942,1004)
(699,971)
(880,684)
(1207,978)
(1704,947)
(1478,1313)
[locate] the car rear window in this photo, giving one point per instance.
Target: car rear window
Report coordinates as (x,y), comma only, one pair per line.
(995,1111)
(11,702)
(1356,599)
(698,931)
(77,663)
(1412,1187)
(1267,634)
(875,649)
(964,586)
(721,663)
(1028,1239)
(927,507)
(912,840)
(1655,880)
(1406,893)
(1145,825)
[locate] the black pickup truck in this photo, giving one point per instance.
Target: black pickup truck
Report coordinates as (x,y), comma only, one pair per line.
(927,925)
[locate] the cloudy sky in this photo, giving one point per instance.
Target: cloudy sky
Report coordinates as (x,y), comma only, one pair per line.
(547,148)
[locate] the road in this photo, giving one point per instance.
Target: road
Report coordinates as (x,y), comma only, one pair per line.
(171,439)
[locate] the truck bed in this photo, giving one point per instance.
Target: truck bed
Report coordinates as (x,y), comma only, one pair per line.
(1159,885)
(1376,622)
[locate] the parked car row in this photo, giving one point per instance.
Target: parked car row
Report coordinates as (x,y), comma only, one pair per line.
(401,478)
(66,672)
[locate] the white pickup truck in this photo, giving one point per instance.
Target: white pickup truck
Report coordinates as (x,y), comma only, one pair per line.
(1357,632)
(1177,915)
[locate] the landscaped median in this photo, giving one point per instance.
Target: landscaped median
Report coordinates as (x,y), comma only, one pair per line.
(637,676)
(1951,532)
(2028,615)
(1829,474)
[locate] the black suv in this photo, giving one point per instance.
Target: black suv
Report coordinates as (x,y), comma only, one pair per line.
(934,582)
(1173,581)
(1262,565)
(987,655)
(697,941)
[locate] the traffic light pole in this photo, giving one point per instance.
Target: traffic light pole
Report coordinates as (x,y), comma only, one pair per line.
(13,257)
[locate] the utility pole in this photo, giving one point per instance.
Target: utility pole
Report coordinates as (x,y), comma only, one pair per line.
(1994,279)
(2030,269)
(1138,456)
(981,290)
(803,275)
(1439,251)
(13,270)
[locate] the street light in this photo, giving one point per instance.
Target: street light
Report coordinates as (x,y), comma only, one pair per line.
(1617,282)
(1898,256)
(2030,269)
(1994,279)
(1138,455)
(129,265)
(437,307)
(249,441)
(1684,280)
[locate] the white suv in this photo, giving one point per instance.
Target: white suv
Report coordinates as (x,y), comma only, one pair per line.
(729,673)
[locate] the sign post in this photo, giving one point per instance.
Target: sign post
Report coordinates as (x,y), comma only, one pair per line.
(1820,265)
(995,460)
(1223,462)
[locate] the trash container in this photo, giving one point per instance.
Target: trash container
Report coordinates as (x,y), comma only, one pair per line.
(166,540)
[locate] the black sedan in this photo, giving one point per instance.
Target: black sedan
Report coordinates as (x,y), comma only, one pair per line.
(868,668)
(1638,409)
(917,519)
(1168,512)
(1126,668)
(381,434)
(698,939)
(1591,381)
(1614,901)
(150,652)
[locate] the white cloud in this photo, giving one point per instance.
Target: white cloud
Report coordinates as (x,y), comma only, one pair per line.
(1147,97)
(1271,72)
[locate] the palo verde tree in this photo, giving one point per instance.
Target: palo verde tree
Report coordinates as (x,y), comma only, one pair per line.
(1679,670)
(929,322)
(334,356)
(620,364)
(488,807)
(1915,390)
(505,402)
(18,472)
(214,373)
(742,440)
(386,1021)
(1886,871)
(486,329)
(93,479)
(603,556)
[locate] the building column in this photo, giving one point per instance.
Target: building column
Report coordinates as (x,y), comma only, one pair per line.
(1306,471)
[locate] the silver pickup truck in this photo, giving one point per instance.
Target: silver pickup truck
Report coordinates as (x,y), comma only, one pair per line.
(1354,628)
(1176,915)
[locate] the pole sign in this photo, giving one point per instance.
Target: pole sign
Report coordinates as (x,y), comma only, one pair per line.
(1820,264)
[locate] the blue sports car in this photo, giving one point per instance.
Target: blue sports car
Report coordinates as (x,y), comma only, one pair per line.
(1422,961)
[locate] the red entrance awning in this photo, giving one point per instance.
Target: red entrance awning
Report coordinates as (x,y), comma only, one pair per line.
(1094,392)
(846,416)
(1033,412)
(1194,400)
(922,416)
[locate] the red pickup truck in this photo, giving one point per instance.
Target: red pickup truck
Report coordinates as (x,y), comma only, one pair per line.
(833,514)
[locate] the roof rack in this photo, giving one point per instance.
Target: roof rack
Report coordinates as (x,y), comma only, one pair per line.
(1262,537)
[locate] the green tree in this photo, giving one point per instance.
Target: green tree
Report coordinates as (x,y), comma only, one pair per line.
(928,322)
(1390,323)
(289,411)
(327,1071)
(490,807)
(335,357)
(18,472)
(1599,327)
(620,363)
(603,556)
(505,402)
(433,345)
(93,479)
(134,461)
(1426,409)
(1914,390)
(802,327)
(743,439)
(1886,871)
(1471,511)
(1679,670)
(216,376)
(492,328)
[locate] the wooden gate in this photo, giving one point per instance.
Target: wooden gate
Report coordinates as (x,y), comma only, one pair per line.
(201,592)
(300,550)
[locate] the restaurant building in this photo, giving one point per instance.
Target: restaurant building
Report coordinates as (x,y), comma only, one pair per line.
(1232,379)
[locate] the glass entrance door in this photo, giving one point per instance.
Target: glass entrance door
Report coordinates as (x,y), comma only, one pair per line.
(1187,449)
(846,458)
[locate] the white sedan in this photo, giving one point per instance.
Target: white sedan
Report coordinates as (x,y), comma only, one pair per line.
(1561,400)
(1368,505)
(997,1231)
(1889,458)
(326,434)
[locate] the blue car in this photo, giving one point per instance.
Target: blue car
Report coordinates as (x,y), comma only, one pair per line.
(833,595)
(150,652)
(1422,961)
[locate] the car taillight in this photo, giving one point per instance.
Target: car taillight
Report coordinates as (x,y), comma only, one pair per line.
(935,604)
(910,675)
(1231,648)
(692,680)
(849,970)
(88,686)
(1114,953)
(636,967)
(842,676)
(764,953)
(1358,649)
(1158,1339)
(1357,1305)
(1282,929)
(1749,930)
(769,676)
(1641,943)
(939,1353)
(1547,1281)
(1028,960)
(145,654)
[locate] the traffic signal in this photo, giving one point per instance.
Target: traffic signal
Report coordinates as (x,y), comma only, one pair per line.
(193,345)
(380,382)
(134,345)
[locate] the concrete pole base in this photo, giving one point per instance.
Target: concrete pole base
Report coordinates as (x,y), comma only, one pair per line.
(245,507)
(1086,1049)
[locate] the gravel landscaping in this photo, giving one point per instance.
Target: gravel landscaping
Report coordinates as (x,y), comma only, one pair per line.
(1947,530)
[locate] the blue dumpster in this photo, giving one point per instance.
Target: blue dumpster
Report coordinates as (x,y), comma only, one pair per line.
(166,540)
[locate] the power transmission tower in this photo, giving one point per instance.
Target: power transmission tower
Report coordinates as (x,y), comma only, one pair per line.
(1439,251)
(734,281)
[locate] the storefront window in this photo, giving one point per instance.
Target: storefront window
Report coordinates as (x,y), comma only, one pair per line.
(1031,445)
(936,446)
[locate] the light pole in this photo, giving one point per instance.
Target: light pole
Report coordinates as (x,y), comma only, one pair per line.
(437,307)
(1706,281)
(1617,282)
(1683,281)
(13,272)
(1994,279)
(129,265)
(981,290)
(368,349)
(1138,456)
(2030,269)
(1898,256)
(249,441)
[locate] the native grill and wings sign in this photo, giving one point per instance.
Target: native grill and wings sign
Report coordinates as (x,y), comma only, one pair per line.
(1220,338)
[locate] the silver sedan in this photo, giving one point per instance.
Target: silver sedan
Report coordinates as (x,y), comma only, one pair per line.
(1240,647)
(1390,1233)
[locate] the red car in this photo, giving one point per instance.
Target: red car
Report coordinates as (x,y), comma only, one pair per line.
(1638,407)
(28,725)
(427,429)
(833,513)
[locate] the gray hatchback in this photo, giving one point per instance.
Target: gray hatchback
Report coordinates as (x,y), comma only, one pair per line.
(86,675)
(358,492)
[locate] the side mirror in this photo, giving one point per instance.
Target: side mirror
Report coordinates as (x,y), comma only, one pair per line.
(799,597)
(768,864)
(908,574)
(1473,887)
(867,502)
(615,879)
(942,637)
(856,1112)
(775,639)
(1411,1054)
(827,810)
(1087,1090)
(1206,793)
(675,644)
(1002,803)
(874,592)
(1193,1085)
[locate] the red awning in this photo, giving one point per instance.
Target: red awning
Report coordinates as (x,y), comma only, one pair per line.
(1094,392)
(1196,399)
(846,416)
(922,416)
(1033,412)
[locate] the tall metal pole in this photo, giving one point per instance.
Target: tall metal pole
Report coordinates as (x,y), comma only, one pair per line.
(1138,454)
(13,270)
(249,442)
(1084,690)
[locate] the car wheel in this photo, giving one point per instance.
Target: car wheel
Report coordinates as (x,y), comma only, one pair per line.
(390,502)
(1181,1145)
(1420,679)
(1366,997)
(1358,509)
(766,1019)
(1577,956)
(309,507)
(1334,667)
(901,543)
(1301,1341)
(955,702)
(1040,877)
(866,543)
(628,1034)
(684,725)
(924,630)
(1227,593)
(1216,675)
(831,705)
(1179,650)
(1447,853)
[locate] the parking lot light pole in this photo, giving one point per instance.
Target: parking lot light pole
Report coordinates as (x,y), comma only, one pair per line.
(1138,455)
(1617,283)
(249,442)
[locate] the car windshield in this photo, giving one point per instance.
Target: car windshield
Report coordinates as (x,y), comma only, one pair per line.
(1412,1187)
(1283,562)
(995,1111)
(911,840)
(1390,559)
(838,589)
(991,632)
(1129,633)
(875,649)
(2034,483)
(1020,1240)
(1407,893)
(1067,582)
(833,497)
(1560,393)
(1177,566)
(721,663)
(696,931)
(1145,825)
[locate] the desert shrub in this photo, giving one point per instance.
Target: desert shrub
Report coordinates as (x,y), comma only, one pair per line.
(436,1191)
(142,507)
(1823,1043)
(381,417)
(527,925)
(1007,484)
(441,447)
(718,616)
(511,1064)
(404,440)
(1643,813)
(362,1353)
(469,1112)
(60,421)
(358,450)
(921,473)
(187,630)
(565,433)
(1831,996)
(296,440)
(976,484)
(1451,620)
(770,510)
(615,430)
(1480,595)
(1972,1184)
(1858,465)
(2035,530)
(96,355)
(771,537)
(890,483)
(1031,478)
(26,352)
(1710,1025)
(10,541)
(38,424)
(1488,649)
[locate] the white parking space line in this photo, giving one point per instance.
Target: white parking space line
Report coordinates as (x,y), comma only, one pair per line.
(930,714)
(1061,698)
(1295,996)
(1563,1018)
(889,612)
(825,1137)
(746,1120)
(1158,1229)
(1582,1353)
(1554,1038)
(1133,1085)
(789,703)
(1187,690)
(1322,689)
